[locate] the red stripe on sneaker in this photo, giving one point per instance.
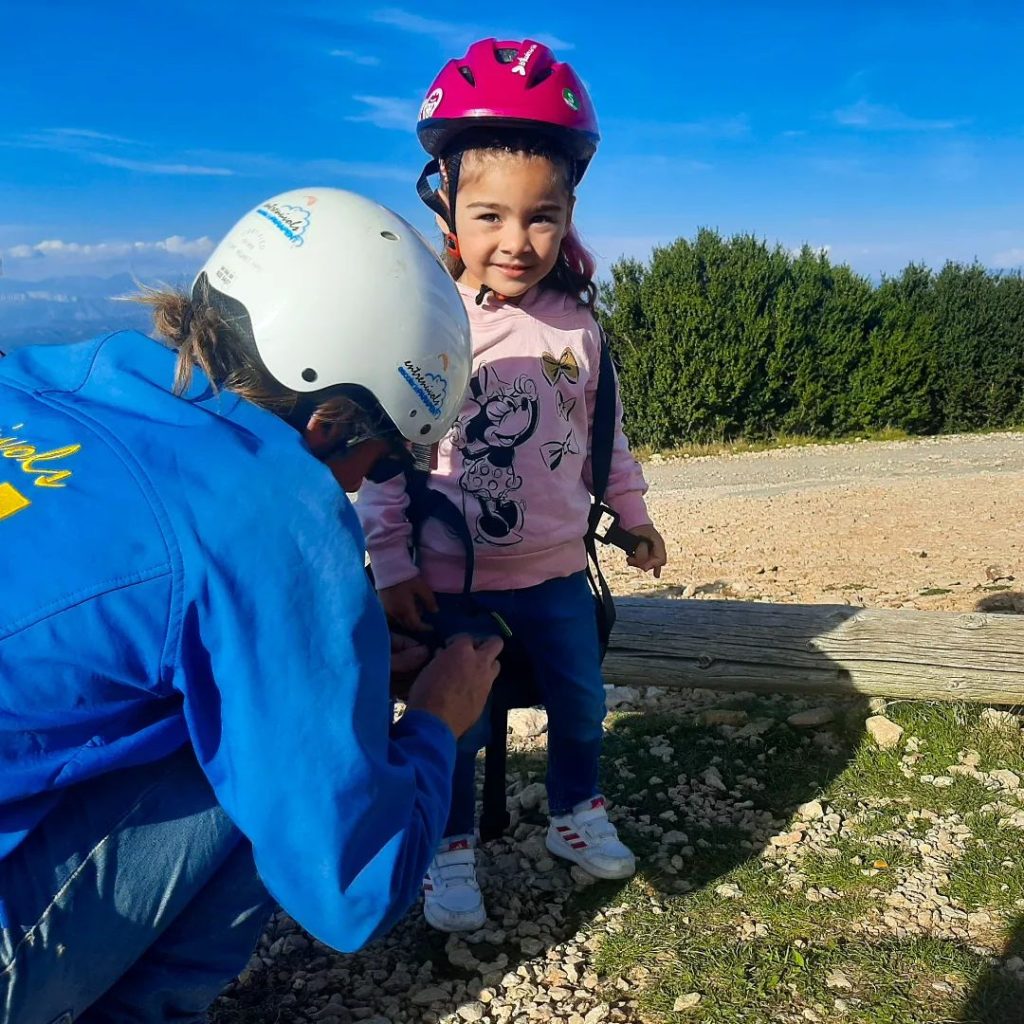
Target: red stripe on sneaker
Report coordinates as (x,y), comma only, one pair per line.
(579,846)
(562,828)
(459,844)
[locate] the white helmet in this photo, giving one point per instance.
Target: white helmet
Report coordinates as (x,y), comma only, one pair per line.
(333,289)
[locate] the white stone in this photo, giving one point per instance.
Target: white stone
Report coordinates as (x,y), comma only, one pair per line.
(787,839)
(616,695)
(836,979)
(810,811)
(687,1002)
(723,716)
(429,995)
(1005,778)
(996,719)
(674,837)
(728,891)
(811,718)
(886,734)
(527,722)
(532,795)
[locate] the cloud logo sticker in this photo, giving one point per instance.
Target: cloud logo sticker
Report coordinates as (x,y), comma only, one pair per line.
(291,221)
(430,388)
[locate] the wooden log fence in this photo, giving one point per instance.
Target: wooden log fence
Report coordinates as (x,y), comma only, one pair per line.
(818,649)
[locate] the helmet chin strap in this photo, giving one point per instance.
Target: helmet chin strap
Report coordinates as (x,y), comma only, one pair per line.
(449,175)
(482,294)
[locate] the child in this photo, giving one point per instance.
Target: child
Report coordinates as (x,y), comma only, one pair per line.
(512,131)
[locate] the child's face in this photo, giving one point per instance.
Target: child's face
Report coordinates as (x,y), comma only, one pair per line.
(511,215)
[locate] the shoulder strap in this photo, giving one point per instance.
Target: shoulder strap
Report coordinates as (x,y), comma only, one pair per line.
(426,503)
(602,439)
(602,430)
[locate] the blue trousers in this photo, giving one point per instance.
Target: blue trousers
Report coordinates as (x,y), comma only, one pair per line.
(135,900)
(555,625)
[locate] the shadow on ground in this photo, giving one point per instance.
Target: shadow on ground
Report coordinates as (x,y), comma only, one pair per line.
(654,767)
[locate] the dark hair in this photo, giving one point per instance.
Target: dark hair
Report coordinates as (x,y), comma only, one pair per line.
(573,273)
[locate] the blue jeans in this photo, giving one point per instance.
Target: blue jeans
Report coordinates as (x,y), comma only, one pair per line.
(135,900)
(555,624)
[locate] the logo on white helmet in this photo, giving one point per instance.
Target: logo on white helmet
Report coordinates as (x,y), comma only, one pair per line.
(431,103)
(430,388)
(291,221)
(519,67)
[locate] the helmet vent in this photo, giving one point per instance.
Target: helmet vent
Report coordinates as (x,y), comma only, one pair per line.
(389,235)
(309,375)
(467,74)
(506,54)
(543,75)
(425,429)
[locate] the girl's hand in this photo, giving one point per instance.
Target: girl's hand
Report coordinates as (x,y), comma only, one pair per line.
(650,553)
(405,603)
(408,656)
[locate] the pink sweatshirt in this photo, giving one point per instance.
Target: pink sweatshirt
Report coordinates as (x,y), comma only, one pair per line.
(517,459)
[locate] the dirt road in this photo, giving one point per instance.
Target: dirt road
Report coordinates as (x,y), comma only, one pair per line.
(936,523)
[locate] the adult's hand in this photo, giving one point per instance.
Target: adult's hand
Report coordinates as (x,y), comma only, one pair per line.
(457,681)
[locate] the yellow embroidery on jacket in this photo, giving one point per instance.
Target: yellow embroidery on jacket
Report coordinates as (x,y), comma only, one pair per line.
(11,500)
(31,460)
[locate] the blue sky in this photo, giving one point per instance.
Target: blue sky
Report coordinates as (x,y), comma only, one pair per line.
(133,134)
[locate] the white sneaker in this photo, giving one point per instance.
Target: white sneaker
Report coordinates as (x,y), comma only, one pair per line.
(451,895)
(588,838)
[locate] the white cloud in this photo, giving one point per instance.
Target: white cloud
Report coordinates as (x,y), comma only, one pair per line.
(109,151)
(878,118)
(366,60)
(454,34)
(388,112)
(88,133)
(817,250)
(157,167)
(1008,258)
(54,248)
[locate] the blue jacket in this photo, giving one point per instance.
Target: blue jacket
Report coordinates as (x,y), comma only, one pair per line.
(182,570)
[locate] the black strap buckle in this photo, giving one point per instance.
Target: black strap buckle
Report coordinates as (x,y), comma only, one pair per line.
(604,526)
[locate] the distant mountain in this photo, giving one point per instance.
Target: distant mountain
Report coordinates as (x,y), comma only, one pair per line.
(63,309)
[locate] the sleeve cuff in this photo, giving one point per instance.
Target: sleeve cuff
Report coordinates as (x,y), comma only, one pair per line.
(631,509)
(391,566)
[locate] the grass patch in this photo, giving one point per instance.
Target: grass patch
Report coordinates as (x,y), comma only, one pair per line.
(742,445)
(764,951)
(898,982)
(991,873)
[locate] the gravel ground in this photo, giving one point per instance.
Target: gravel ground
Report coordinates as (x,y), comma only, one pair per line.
(926,524)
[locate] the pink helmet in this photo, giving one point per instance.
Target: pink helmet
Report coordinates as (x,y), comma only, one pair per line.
(510,84)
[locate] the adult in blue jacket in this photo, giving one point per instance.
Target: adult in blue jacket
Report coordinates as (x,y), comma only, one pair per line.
(194,672)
